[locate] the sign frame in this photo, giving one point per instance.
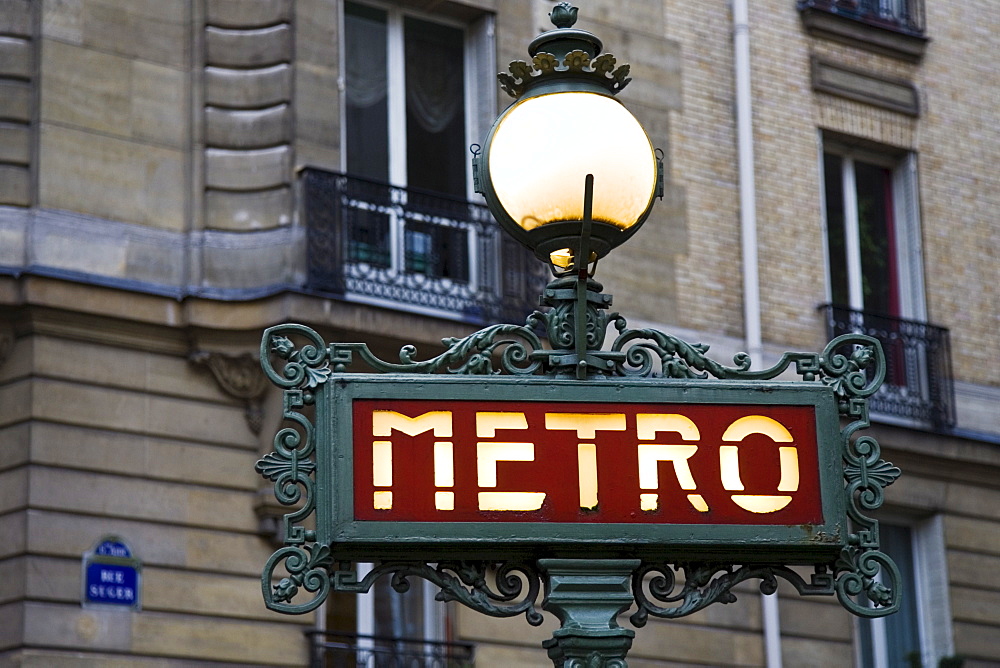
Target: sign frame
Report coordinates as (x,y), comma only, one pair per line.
(503,573)
(357,539)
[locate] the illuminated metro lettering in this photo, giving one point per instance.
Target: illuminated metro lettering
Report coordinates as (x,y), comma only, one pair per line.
(586,425)
(650,454)
(729,463)
(444,474)
(522,462)
(488,453)
(383,423)
(487,422)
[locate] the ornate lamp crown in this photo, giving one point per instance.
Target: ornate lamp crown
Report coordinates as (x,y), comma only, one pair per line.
(564,53)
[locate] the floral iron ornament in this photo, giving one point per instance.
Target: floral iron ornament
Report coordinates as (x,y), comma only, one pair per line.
(551,60)
(296,359)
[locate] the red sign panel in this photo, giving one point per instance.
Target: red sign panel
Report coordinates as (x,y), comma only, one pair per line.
(520,461)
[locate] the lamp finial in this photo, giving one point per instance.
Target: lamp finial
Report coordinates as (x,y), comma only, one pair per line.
(563,15)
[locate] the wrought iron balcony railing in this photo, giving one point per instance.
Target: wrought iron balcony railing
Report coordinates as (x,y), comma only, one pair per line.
(918,385)
(905,16)
(372,242)
(350,650)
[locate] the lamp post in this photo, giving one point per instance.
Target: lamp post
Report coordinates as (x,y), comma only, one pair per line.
(571,174)
(598,515)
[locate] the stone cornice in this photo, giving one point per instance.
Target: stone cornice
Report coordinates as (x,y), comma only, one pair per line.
(87,312)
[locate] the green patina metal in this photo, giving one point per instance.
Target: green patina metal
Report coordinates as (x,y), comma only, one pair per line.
(847,372)
(358,540)
(589,573)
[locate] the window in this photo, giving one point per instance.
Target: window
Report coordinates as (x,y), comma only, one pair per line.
(411,110)
(405,100)
(386,613)
(919,634)
(384,628)
(437,251)
(872,232)
(906,16)
(894,640)
(875,278)
(386,619)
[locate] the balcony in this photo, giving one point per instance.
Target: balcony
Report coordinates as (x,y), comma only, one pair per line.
(891,27)
(404,249)
(349,650)
(918,389)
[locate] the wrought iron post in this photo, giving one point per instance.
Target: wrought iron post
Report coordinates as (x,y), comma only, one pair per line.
(586,596)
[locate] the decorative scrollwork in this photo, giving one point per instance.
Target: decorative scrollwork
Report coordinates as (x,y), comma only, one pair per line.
(859,570)
(867,475)
(515,589)
(237,376)
(853,366)
(677,358)
(577,63)
(471,355)
(308,569)
(305,368)
(705,584)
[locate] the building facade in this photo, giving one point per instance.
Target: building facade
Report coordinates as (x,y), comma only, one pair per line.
(178,175)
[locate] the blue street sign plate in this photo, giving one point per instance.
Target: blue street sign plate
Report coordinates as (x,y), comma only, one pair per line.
(111,575)
(109,583)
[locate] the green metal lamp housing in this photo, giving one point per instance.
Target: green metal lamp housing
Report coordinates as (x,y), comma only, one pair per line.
(564,125)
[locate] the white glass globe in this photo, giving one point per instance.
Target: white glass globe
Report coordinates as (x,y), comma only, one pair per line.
(544,147)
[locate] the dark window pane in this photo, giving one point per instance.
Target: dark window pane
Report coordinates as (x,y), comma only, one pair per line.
(437,251)
(875,228)
(367,237)
(435,107)
(837,253)
(367,104)
(421,256)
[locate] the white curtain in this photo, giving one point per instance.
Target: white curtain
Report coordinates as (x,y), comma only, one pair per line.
(433,83)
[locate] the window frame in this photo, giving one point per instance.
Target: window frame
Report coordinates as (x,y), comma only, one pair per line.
(479,106)
(906,216)
(435,615)
(929,586)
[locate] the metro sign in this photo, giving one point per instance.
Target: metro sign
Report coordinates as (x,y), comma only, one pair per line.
(456,463)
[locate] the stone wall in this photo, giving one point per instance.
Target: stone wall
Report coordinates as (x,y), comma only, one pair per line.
(954,84)
(115,120)
(107,428)
(18,100)
(958,144)
(248,116)
(147,212)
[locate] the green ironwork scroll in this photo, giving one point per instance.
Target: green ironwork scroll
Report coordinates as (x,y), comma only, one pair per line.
(296,359)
